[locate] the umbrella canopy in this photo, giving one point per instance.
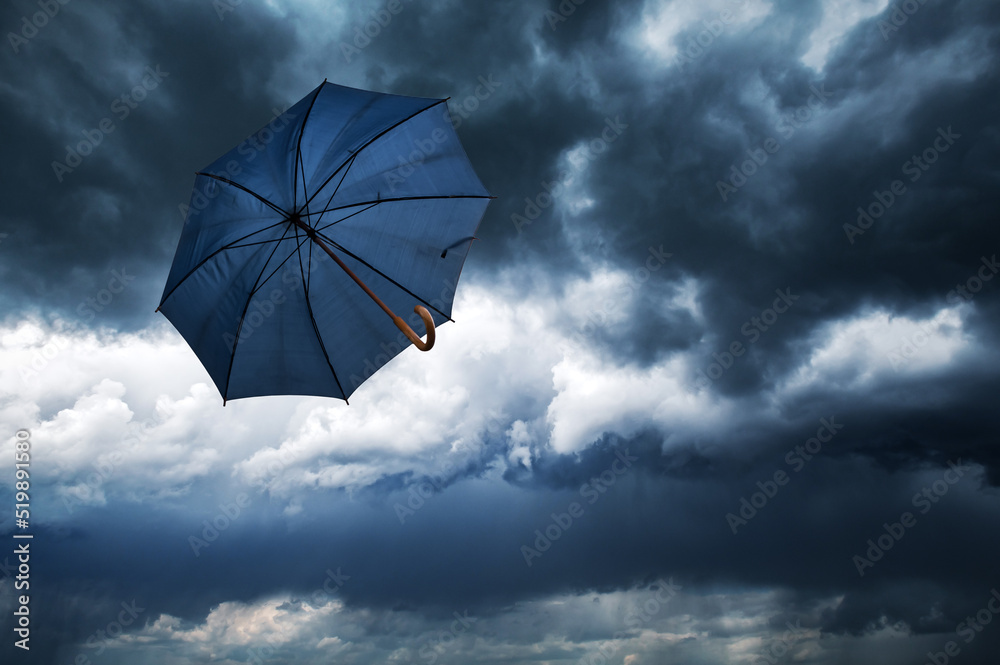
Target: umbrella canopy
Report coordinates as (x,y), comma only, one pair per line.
(298,242)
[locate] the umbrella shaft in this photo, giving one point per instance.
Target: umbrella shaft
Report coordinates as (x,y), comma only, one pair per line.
(402,325)
(350,273)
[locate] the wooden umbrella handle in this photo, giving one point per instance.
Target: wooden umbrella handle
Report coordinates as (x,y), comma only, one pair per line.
(400,323)
(412,336)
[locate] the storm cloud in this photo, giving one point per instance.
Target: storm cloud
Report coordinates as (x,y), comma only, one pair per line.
(721,385)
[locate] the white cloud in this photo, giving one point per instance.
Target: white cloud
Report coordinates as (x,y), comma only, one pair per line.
(595,396)
(521,440)
(249,631)
(871,347)
(125,410)
(132,413)
(656,623)
(664,21)
(839,18)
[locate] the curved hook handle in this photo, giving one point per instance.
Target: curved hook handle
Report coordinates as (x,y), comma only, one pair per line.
(412,336)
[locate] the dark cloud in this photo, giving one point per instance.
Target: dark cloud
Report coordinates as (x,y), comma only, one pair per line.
(929,88)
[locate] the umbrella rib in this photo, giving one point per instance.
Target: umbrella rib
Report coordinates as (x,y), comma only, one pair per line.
(350,163)
(309,276)
(298,153)
(266,279)
(253,233)
(305,206)
(312,317)
(403,198)
(208,258)
(251,244)
(243,316)
(372,140)
(383,275)
(344,219)
(322,346)
(239,186)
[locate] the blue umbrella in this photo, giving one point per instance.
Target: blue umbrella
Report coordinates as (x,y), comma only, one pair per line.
(348,207)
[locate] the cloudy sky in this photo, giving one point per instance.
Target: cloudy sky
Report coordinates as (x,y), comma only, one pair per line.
(718,389)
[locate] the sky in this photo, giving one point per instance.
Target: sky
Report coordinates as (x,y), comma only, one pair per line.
(717,391)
